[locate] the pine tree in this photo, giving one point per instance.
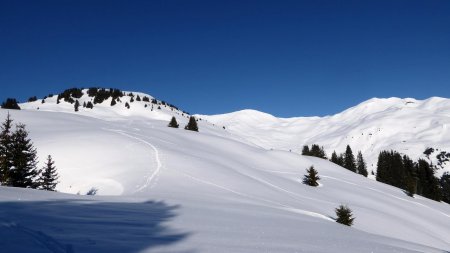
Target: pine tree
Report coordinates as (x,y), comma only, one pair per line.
(349,159)
(5,150)
(77,105)
(49,176)
(10,103)
(317,151)
(311,177)
(411,179)
(113,102)
(344,215)
(23,172)
(305,150)
(340,160)
(192,124)
(173,123)
(428,184)
(89,105)
(334,158)
(361,165)
(127,105)
(32,99)
(390,169)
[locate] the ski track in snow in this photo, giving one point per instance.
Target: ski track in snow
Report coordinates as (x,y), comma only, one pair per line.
(387,194)
(282,189)
(273,204)
(156,172)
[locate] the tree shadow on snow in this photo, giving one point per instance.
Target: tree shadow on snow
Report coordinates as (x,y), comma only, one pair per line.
(69,226)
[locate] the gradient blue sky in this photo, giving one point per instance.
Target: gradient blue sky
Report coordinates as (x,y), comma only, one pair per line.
(287,58)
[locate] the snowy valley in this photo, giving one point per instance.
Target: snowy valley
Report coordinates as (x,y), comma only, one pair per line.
(234,186)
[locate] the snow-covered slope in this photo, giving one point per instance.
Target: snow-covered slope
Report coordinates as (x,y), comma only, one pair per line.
(183,191)
(406,125)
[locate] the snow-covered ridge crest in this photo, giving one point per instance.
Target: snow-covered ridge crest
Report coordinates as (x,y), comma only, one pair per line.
(407,125)
(129,104)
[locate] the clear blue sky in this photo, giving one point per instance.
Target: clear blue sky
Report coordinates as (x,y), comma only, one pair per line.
(287,58)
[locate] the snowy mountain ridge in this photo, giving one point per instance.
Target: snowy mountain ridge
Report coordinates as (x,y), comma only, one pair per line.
(216,190)
(406,125)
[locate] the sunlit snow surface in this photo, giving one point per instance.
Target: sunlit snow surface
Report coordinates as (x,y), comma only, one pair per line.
(211,191)
(406,125)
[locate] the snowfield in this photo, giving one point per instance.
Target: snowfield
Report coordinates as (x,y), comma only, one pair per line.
(406,125)
(218,190)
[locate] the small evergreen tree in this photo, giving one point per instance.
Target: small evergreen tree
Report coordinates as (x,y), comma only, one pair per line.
(173,123)
(361,165)
(23,172)
(192,124)
(334,158)
(32,99)
(113,102)
(349,159)
(49,176)
(5,150)
(10,103)
(340,160)
(311,177)
(76,105)
(305,150)
(317,151)
(127,105)
(344,215)
(89,105)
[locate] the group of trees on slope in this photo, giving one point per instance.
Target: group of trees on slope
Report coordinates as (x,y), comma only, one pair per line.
(10,103)
(396,170)
(98,95)
(413,177)
(18,160)
(192,124)
(346,159)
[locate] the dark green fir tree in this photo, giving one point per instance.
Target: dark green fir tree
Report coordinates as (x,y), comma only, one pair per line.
(311,177)
(49,176)
(5,150)
(192,124)
(344,215)
(23,172)
(361,166)
(349,159)
(173,123)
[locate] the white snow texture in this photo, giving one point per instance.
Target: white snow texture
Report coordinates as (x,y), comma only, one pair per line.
(237,189)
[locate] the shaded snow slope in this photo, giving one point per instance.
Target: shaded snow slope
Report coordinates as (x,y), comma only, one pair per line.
(206,192)
(406,125)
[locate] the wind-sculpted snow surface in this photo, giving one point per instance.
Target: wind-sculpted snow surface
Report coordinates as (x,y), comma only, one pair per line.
(206,191)
(406,125)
